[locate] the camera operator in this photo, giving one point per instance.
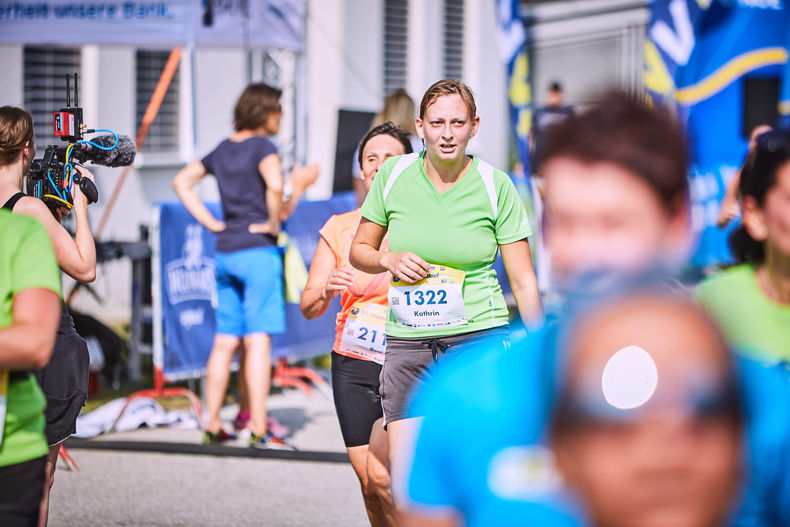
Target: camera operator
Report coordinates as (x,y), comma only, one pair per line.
(64,379)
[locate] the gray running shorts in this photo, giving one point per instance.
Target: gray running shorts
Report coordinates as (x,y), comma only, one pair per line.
(407,362)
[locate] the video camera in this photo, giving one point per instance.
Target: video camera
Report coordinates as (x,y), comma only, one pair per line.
(52,177)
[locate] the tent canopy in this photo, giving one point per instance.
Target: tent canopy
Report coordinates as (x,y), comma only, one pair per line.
(254,23)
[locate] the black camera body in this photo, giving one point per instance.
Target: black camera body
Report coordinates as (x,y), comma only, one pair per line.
(52,177)
(46,179)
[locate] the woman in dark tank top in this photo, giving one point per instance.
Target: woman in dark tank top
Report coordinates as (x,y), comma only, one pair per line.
(248,267)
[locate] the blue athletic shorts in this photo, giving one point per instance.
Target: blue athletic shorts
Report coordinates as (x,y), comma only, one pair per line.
(250,292)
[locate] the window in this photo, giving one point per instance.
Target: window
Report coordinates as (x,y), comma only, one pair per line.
(164,131)
(453,57)
(45,71)
(396,25)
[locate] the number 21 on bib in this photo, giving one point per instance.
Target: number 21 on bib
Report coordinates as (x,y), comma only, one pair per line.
(436,301)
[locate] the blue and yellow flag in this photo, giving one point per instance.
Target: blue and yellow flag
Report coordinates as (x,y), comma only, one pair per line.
(513,51)
(702,57)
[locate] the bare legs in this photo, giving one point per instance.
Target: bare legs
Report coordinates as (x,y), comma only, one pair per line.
(217,375)
(378,471)
(370,465)
(401,435)
(49,480)
(256,371)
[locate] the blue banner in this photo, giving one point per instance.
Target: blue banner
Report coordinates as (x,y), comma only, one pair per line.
(188,287)
(698,55)
(513,52)
(262,23)
(187,290)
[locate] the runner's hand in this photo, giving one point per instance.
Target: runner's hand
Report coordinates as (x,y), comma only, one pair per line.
(406,265)
(339,280)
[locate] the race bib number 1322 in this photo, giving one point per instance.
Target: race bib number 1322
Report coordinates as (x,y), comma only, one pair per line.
(433,302)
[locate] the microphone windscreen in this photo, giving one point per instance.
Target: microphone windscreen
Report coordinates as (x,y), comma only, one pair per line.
(122,155)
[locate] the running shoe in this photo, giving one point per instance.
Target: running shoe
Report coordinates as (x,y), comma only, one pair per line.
(241,420)
(276,427)
(269,441)
(210,438)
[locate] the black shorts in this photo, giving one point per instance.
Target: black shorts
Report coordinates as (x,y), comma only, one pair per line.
(64,381)
(355,385)
(21,488)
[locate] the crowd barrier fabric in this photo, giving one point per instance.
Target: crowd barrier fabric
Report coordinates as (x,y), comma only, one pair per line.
(184,288)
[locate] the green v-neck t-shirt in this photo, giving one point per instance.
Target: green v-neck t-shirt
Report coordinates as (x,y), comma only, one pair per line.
(751,322)
(27,261)
(459,228)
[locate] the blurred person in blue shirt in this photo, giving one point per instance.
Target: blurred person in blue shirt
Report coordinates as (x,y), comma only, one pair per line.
(616,198)
(647,429)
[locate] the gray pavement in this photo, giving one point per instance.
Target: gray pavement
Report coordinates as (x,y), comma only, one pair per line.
(123,488)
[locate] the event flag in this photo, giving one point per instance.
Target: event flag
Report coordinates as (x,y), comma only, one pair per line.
(714,61)
(513,52)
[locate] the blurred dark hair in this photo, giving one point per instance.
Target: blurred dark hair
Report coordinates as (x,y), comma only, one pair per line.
(386,129)
(758,175)
(624,131)
(555,86)
(16,130)
(256,102)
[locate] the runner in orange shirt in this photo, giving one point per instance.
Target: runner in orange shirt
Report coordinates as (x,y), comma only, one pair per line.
(358,351)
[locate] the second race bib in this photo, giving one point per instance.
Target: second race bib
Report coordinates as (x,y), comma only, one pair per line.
(363,333)
(436,301)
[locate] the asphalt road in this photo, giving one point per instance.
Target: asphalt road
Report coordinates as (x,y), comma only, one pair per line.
(125,488)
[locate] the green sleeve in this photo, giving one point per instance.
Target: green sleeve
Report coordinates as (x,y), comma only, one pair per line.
(512,223)
(34,264)
(373,207)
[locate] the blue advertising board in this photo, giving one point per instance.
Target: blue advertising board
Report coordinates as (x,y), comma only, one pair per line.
(187,288)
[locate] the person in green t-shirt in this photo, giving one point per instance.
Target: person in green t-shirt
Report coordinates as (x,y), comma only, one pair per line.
(446,215)
(29,315)
(64,378)
(751,301)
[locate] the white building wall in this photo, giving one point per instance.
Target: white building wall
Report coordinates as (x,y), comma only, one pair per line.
(326,69)
(11,60)
(485,74)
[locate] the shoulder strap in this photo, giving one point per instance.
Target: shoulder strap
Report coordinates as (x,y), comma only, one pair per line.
(403,163)
(12,200)
(487,174)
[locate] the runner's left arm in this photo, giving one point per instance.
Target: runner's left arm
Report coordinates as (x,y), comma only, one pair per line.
(518,264)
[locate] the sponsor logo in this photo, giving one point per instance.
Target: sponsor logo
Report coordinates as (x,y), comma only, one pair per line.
(190,277)
(191,317)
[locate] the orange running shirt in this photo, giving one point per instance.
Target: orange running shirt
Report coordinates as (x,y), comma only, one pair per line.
(338,232)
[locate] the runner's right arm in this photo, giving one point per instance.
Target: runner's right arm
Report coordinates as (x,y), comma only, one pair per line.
(366,256)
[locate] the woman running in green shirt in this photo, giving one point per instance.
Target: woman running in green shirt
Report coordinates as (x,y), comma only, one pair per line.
(446,215)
